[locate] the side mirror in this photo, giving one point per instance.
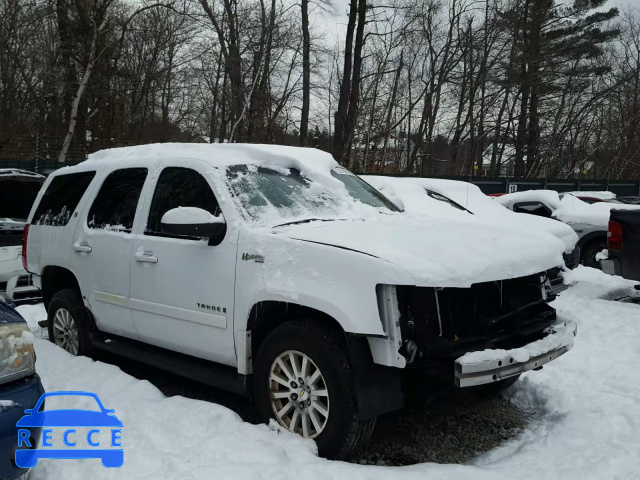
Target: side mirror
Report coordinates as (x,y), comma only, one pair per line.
(194,222)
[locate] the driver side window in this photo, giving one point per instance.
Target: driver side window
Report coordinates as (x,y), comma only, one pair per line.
(533,208)
(179,187)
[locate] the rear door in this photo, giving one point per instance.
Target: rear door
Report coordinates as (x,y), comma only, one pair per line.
(182,289)
(101,248)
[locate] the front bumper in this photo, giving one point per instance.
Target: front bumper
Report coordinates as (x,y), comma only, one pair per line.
(489,366)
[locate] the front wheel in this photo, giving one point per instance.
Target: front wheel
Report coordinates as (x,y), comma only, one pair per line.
(304,381)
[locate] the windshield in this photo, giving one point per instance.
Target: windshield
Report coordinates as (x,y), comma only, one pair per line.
(287,194)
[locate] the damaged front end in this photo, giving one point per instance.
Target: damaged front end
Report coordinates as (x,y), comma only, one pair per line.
(439,326)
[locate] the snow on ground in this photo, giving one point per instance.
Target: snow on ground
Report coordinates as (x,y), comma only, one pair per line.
(585,405)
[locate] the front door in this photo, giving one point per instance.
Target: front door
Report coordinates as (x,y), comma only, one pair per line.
(182,289)
(102,243)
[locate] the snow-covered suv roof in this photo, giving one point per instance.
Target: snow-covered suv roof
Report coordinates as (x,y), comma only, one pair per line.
(309,161)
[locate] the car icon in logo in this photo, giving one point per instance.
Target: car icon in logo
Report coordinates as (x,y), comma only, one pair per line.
(98,421)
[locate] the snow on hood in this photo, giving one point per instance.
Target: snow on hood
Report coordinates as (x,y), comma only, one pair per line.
(569,209)
(415,199)
(437,251)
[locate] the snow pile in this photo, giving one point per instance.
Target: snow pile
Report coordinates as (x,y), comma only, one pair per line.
(585,407)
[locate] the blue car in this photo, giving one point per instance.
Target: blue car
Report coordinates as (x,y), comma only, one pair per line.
(20,388)
(34,418)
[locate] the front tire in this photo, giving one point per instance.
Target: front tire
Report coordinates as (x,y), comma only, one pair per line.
(69,322)
(304,381)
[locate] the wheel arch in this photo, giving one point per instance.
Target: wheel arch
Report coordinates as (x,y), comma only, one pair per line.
(55,279)
(379,387)
(589,239)
(266,316)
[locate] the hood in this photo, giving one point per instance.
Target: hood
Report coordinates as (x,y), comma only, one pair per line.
(438,252)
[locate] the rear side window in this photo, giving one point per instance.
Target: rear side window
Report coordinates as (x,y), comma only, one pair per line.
(61,198)
(115,205)
(179,187)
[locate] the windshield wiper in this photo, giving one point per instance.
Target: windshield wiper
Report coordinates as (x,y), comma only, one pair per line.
(306,220)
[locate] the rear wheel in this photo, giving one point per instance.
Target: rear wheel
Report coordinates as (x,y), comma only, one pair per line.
(304,381)
(591,251)
(69,322)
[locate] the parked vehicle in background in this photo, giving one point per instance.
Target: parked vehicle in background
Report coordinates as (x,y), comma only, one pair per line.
(630,200)
(589,221)
(623,244)
(431,196)
(20,386)
(594,196)
(273,270)
(18,190)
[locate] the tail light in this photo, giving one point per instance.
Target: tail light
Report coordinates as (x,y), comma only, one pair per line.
(25,234)
(614,240)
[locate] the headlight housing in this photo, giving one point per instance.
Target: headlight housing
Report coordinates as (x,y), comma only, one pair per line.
(17,356)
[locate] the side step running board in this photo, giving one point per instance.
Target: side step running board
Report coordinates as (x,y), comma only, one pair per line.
(203,371)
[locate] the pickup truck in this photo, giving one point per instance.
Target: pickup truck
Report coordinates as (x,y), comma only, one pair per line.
(623,244)
(275,273)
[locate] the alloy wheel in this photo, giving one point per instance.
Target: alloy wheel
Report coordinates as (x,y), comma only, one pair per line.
(299,394)
(65,331)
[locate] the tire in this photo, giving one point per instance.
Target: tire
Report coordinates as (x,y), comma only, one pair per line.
(590,250)
(67,311)
(495,388)
(341,433)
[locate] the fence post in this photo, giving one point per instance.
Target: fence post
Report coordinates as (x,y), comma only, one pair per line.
(36,166)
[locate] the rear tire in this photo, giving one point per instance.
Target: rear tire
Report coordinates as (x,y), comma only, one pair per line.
(590,251)
(341,434)
(69,323)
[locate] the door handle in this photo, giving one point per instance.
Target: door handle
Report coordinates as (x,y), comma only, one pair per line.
(146,257)
(82,247)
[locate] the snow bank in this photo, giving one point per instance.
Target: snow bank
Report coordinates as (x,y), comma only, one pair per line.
(585,407)
(184,439)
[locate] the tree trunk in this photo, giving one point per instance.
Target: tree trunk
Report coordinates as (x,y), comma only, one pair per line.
(306,74)
(345,86)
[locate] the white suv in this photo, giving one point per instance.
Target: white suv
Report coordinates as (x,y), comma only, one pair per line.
(273,272)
